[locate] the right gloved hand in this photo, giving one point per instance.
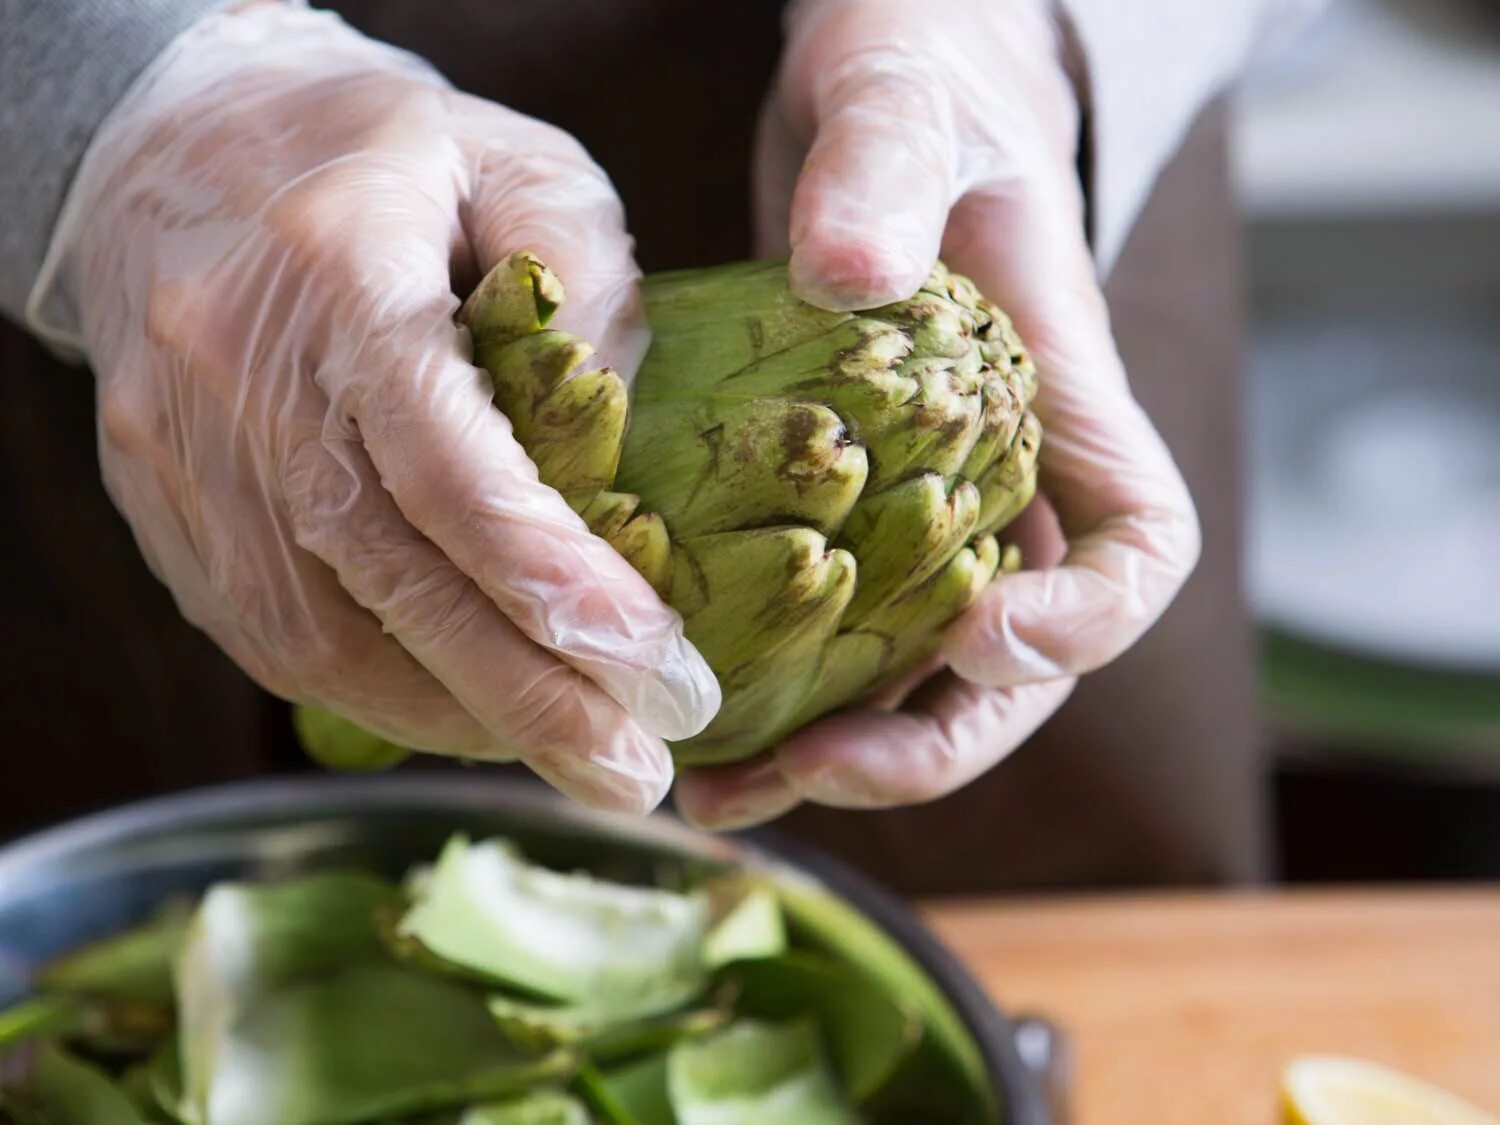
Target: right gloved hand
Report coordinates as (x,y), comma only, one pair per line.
(896,131)
(256,258)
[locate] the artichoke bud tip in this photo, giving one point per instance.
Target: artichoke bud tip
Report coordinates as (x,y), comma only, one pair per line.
(516,298)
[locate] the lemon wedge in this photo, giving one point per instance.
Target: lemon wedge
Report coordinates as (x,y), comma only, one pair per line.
(1339,1091)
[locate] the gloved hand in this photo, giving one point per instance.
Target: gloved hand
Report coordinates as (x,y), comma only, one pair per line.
(259,257)
(896,130)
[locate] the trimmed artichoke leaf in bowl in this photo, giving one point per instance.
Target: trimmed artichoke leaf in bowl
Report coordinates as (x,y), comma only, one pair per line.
(818,493)
(485,989)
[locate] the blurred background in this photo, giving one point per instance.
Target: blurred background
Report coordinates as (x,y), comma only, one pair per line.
(1367,158)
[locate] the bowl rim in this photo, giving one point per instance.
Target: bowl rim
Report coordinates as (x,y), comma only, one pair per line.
(287,796)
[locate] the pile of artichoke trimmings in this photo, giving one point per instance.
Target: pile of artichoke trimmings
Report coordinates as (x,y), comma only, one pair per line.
(487,990)
(816,492)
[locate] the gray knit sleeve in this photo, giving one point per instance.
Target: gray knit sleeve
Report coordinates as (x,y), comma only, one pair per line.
(63,65)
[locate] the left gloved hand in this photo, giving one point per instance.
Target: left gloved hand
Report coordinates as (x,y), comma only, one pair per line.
(259,254)
(897,131)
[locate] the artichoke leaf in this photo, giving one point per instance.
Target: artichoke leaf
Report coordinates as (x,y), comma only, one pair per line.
(135,1084)
(121,1026)
(542,1107)
(292,1010)
(900,635)
(61,1089)
(134,966)
(869,1031)
(791,590)
(41,1016)
(363,1042)
(904,535)
(635,1094)
(114,995)
(603,1037)
(162,1078)
(625,952)
(708,322)
(756,1073)
(948,1061)
(747,921)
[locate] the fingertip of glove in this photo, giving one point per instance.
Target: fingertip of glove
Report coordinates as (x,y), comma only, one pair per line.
(729,798)
(628,772)
(679,696)
(846,274)
(988,651)
(649,798)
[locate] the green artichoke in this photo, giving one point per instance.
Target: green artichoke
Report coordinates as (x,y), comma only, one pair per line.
(816,492)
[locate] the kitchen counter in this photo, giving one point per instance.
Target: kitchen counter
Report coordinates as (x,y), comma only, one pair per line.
(1182,1009)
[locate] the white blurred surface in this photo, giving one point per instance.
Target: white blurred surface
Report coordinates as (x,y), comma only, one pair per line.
(1381,105)
(1375,483)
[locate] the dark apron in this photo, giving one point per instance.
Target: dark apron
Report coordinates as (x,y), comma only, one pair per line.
(1148,774)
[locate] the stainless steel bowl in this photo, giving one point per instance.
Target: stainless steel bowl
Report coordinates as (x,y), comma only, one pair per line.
(100,874)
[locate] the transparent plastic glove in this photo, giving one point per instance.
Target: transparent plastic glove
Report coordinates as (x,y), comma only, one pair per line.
(260,252)
(897,131)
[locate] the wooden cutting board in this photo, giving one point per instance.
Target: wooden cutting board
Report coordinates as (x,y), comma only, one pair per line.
(1183,1009)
